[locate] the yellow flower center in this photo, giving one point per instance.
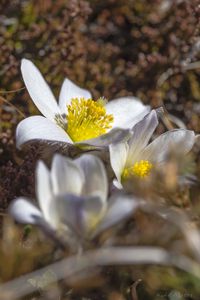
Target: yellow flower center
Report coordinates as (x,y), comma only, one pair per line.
(140,169)
(87,119)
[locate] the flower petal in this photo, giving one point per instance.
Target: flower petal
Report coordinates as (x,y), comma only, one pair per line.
(142,133)
(70,90)
(79,213)
(96,182)
(70,211)
(119,208)
(116,135)
(39,90)
(118,157)
(24,211)
(127,111)
(93,211)
(40,128)
(45,194)
(117,184)
(66,176)
(179,140)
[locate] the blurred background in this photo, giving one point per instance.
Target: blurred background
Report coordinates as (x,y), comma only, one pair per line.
(145,48)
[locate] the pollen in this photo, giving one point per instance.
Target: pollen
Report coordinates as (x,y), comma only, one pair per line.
(87,119)
(140,169)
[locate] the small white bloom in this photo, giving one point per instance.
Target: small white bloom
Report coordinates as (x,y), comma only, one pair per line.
(136,157)
(76,119)
(73,194)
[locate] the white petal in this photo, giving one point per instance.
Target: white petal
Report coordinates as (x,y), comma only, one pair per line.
(66,176)
(142,133)
(118,157)
(70,90)
(24,211)
(40,128)
(117,184)
(119,208)
(45,194)
(93,211)
(179,140)
(81,214)
(70,211)
(96,182)
(39,90)
(116,135)
(127,111)
(93,206)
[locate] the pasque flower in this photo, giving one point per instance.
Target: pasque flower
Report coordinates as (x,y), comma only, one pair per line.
(77,118)
(73,195)
(137,157)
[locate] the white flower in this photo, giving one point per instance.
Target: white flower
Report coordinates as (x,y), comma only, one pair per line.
(73,194)
(76,119)
(136,157)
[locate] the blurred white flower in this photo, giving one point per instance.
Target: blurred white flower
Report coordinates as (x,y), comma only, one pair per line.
(136,157)
(73,194)
(76,119)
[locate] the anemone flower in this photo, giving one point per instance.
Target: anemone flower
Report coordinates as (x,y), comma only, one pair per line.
(77,118)
(137,157)
(73,195)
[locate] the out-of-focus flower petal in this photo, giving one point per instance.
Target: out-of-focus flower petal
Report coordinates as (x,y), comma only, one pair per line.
(96,182)
(66,176)
(142,133)
(118,157)
(93,211)
(40,128)
(39,90)
(127,111)
(117,184)
(45,194)
(70,209)
(93,205)
(119,208)
(70,90)
(178,140)
(116,135)
(79,213)
(25,212)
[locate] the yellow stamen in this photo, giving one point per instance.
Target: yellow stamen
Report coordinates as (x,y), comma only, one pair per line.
(140,169)
(87,119)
